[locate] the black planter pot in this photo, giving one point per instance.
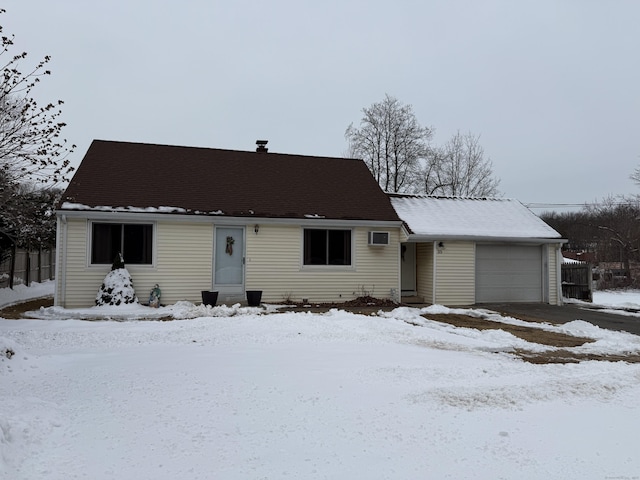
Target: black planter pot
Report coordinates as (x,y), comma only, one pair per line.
(254,297)
(209,298)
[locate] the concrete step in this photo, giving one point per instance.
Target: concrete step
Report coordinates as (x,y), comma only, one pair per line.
(412,299)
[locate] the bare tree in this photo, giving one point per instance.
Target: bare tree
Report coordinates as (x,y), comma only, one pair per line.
(616,221)
(392,143)
(635,176)
(30,143)
(459,168)
(31,153)
(609,229)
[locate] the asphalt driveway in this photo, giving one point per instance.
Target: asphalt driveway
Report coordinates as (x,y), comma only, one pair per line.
(567,313)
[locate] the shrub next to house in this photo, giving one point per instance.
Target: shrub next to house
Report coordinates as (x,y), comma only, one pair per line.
(117,287)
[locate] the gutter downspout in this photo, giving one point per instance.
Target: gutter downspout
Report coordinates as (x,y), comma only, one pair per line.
(546,275)
(60,291)
(399,287)
(435,273)
(559,273)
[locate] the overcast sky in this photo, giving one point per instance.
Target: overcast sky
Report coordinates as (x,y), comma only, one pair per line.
(551,86)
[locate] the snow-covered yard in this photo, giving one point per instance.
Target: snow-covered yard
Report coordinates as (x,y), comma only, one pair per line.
(234,394)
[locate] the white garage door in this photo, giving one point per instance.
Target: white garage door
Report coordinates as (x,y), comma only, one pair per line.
(508,273)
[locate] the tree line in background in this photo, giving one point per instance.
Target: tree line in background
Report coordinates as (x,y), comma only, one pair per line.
(606,234)
(33,156)
(399,153)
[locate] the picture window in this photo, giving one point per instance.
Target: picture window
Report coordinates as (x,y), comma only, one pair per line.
(133,240)
(327,247)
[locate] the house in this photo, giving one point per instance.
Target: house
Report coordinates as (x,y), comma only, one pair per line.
(295,227)
(192,219)
(465,251)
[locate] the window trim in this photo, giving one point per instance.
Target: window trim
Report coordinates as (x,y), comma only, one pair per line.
(154,249)
(351,266)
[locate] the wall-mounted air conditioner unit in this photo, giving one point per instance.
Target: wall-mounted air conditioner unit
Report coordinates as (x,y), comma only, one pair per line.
(378,238)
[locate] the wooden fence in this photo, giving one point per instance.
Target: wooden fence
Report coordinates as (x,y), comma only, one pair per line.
(577,281)
(24,267)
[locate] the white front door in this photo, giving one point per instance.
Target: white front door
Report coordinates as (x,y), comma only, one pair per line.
(228,276)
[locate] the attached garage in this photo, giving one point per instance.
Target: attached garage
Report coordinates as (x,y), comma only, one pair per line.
(479,250)
(509,273)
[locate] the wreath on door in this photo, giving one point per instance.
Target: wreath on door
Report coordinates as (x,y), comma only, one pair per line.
(229,247)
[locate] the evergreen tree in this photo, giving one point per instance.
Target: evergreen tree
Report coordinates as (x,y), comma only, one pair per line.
(117,287)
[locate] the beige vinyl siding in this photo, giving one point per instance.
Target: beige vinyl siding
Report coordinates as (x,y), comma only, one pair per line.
(274,265)
(82,283)
(182,253)
(552,253)
(424,271)
(60,258)
(183,266)
(455,274)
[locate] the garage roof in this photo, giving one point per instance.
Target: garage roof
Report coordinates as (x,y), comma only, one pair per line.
(478,218)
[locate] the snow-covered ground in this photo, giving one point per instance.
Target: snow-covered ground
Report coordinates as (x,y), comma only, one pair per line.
(20,293)
(235,394)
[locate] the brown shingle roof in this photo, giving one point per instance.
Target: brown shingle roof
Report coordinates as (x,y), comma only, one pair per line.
(121,174)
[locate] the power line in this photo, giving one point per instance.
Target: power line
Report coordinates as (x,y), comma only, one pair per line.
(575,205)
(551,205)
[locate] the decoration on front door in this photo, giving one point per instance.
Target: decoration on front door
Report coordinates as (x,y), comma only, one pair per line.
(229,248)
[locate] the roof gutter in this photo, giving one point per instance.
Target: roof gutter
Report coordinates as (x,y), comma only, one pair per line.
(224,219)
(414,238)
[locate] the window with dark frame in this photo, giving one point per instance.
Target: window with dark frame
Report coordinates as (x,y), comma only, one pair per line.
(133,240)
(327,247)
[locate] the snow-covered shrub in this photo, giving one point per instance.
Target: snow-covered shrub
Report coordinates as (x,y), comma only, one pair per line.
(117,287)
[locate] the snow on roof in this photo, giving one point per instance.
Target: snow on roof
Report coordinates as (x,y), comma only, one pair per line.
(470,217)
(80,206)
(570,260)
